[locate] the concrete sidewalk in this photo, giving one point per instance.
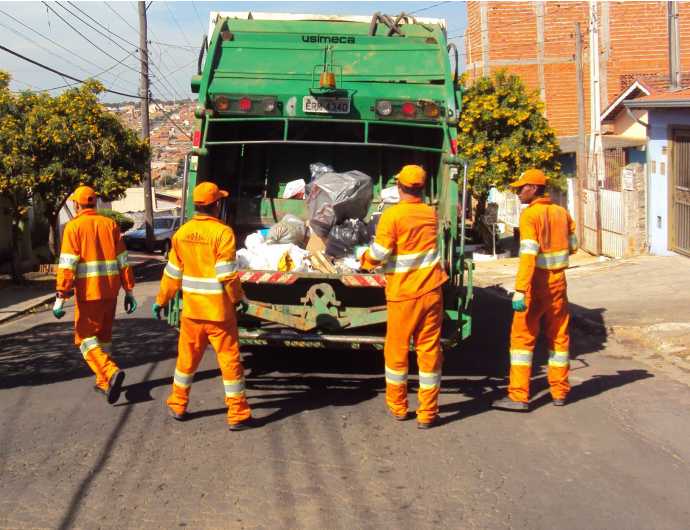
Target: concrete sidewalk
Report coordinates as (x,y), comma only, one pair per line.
(642,303)
(39,288)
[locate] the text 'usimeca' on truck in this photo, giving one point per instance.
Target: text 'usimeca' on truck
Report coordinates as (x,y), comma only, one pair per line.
(285,99)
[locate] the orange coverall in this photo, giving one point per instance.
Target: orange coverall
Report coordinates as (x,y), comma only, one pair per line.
(202,263)
(547,238)
(405,245)
(93,262)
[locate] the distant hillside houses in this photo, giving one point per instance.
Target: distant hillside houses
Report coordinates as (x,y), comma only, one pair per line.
(169,143)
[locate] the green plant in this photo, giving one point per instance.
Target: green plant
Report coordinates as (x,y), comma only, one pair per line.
(502,132)
(124,222)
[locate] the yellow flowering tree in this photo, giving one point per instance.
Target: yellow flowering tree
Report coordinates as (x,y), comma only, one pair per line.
(502,132)
(69,140)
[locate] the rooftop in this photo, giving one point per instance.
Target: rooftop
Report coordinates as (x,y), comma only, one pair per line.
(671,99)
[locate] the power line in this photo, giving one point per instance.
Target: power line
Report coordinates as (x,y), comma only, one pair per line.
(428,7)
(62,74)
(101,25)
(83,36)
(198,17)
(72,53)
(121,17)
(174,18)
(110,39)
(191,49)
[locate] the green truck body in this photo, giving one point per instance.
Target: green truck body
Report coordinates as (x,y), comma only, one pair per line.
(279,92)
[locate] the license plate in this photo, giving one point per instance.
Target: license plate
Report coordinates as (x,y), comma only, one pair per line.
(326,105)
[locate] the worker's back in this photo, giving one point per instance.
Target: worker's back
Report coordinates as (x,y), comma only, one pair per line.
(414,266)
(92,250)
(553,229)
(204,250)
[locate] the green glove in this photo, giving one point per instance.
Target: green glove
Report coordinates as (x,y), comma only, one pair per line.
(156,311)
(519,302)
(130,303)
(58,312)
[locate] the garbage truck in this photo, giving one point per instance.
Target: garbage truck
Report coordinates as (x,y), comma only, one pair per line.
(280,92)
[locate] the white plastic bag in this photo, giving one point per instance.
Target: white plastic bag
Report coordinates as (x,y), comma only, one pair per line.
(390,195)
(295,189)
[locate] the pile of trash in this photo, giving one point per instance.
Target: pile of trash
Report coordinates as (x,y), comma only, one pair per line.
(333,238)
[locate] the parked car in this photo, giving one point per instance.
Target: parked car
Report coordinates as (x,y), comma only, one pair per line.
(163,230)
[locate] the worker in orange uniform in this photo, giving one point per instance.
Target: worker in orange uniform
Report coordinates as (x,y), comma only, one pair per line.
(547,238)
(202,264)
(93,264)
(406,246)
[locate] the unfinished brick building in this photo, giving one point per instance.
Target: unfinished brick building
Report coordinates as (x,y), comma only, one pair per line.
(536,40)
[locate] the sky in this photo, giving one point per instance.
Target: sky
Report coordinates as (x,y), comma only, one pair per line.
(107,49)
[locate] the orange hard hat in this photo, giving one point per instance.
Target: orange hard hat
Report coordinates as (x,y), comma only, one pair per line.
(208,193)
(84,195)
(530,176)
(412,176)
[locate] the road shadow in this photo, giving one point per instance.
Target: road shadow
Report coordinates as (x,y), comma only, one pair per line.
(47,354)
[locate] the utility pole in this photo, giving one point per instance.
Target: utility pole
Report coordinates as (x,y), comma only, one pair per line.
(596,151)
(673,46)
(581,161)
(144,106)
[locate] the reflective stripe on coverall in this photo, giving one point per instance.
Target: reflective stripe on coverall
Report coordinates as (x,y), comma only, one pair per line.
(405,246)
(202,264)
(547,237)
(93,262)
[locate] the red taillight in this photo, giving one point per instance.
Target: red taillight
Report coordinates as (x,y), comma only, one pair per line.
(409,109)
(454,146)
(245,104)
(196,139)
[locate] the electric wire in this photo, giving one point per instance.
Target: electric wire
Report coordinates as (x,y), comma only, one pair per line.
(84,36)
(198,17)
(57,44)
(62,74)
(174,18)
(171,88)
(428,7)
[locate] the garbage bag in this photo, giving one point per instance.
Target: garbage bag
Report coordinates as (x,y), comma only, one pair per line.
(344,237)
(349,195)
(290,229)
(319,168)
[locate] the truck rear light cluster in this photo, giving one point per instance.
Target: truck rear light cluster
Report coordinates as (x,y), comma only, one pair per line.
(421,110)
(254,105)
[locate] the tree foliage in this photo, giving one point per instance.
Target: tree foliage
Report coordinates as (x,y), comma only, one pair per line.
(502,132)
(52,145)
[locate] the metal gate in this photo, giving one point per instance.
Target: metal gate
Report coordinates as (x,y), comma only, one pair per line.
(603,221)
(680,192)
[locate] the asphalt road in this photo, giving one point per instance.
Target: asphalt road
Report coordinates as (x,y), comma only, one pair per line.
(326,455)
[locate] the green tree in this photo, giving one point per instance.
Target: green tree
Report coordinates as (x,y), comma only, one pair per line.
(16,176)
(502,132)
(73,140)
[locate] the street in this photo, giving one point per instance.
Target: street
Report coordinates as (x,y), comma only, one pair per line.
(326,454)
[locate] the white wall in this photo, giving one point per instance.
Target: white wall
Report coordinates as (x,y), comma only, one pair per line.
(658,176)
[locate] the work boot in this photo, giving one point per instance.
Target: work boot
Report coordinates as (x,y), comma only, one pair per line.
(403,417)
(115,386)
(559,402)
(249,423)
(179,416)
(508,404)
(427,424)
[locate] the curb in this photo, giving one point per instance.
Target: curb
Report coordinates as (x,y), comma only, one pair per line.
(46,300)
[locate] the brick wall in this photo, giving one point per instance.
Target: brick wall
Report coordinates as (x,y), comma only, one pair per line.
(633,44)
